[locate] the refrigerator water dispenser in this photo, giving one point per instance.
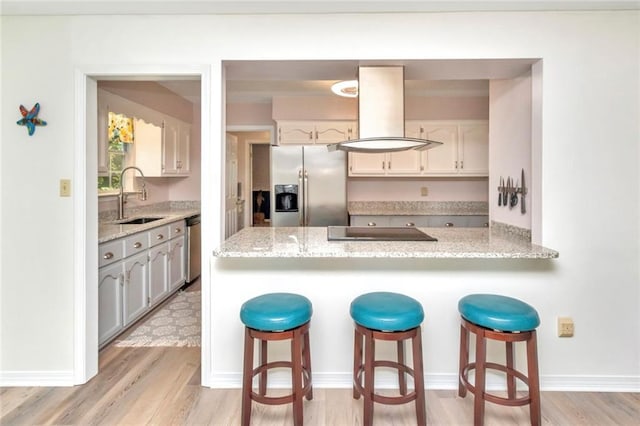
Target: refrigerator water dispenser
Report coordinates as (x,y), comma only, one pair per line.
(286,198)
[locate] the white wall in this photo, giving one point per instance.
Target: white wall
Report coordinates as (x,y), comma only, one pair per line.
(589,182)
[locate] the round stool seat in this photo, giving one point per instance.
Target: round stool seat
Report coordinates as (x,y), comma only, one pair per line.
(386,311)
(276,311)
(498,312)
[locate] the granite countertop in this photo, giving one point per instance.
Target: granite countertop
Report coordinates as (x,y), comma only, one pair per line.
(418,208)
(312,242)
(109,229)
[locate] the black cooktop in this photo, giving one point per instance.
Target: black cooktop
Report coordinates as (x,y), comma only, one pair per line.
(369,233)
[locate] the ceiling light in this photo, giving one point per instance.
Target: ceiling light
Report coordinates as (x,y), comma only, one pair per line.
(347,88)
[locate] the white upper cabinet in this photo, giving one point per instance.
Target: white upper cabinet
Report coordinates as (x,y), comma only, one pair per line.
(441,159)
(175,147)
(162,150)
(464,152)
(401,163)
(473,149)
(315,132)
(465,148)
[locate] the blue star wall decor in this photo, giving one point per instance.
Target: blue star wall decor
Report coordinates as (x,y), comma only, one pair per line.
(30,119)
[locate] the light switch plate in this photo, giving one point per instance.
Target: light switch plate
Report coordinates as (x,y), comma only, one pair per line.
(65,187)
(424,191)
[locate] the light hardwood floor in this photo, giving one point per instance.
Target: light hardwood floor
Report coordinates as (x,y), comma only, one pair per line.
(161,386)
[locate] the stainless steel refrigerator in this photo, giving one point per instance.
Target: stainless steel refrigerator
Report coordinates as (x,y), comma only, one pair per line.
(309,186)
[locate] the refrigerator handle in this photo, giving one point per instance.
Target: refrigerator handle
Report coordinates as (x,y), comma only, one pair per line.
(301,208)
(305,197)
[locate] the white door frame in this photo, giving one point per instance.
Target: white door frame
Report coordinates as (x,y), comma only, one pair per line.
(85,206)
(248,195)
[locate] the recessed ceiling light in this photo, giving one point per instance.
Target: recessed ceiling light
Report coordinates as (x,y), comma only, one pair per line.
(347,88)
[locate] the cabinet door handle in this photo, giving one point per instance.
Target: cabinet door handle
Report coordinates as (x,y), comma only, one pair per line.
(389,165)
(108,256)
(462,164)
(371,224)
(448,225)
(383,165)
(137,244)
(178,230)
(409,224)
(159,237)
(456,164)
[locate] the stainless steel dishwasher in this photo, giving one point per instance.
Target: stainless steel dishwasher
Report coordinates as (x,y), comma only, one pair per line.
(193,248)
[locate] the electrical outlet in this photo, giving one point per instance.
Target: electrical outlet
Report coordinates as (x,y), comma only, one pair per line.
(565,327)
(424,191)
(65,187)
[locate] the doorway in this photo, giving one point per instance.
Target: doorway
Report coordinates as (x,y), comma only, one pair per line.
(86,209)
(253,173)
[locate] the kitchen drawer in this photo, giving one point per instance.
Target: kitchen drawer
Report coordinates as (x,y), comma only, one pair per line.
(110,252)
(136,243)
(458,221)
(159,235)
(177,229)
(369,220)
(417,221)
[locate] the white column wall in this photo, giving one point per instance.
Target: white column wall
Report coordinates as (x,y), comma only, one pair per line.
(589,184)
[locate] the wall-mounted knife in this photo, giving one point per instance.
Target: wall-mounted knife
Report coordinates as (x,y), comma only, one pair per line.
(523,191)
(500,191)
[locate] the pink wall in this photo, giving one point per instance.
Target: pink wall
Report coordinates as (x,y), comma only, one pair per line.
(447,108)
(249,114)
(510,149)
(406,189)
(152,95)
(315,108)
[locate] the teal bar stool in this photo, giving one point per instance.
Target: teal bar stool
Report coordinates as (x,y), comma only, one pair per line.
(504,319)
(388,317)
(272,317)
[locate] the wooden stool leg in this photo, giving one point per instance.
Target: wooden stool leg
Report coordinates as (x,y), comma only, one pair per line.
(480,370)
(357,361)
(402,377)
(369,355)
(306,359)
(421,412)
(296,377)
(511,378)
(464,359)
(247,378)
(534,380)
(262,380)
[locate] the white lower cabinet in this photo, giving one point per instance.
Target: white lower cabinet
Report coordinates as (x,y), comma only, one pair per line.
(135,288)
(110,280)
(137,273)
(158,273)
(177,262)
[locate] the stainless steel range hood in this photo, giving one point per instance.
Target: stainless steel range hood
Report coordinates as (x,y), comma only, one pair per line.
(381,113)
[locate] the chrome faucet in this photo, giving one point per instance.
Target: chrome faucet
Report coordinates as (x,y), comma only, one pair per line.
(122,196)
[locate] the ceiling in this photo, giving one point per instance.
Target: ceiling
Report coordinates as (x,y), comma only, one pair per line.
(261,81)
(106,7)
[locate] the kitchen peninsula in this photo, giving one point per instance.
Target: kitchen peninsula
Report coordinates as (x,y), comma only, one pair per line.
(499,241)
(332,273)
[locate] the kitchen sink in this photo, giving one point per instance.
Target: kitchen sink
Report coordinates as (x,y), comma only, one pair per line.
(139,220)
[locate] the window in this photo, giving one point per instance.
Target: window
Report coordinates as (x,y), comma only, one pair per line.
(120,138)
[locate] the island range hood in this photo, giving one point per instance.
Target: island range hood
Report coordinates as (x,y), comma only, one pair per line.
(381,114)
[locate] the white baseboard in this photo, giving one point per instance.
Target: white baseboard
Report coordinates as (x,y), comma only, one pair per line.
(36,378)
(439,381)
(446,381)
